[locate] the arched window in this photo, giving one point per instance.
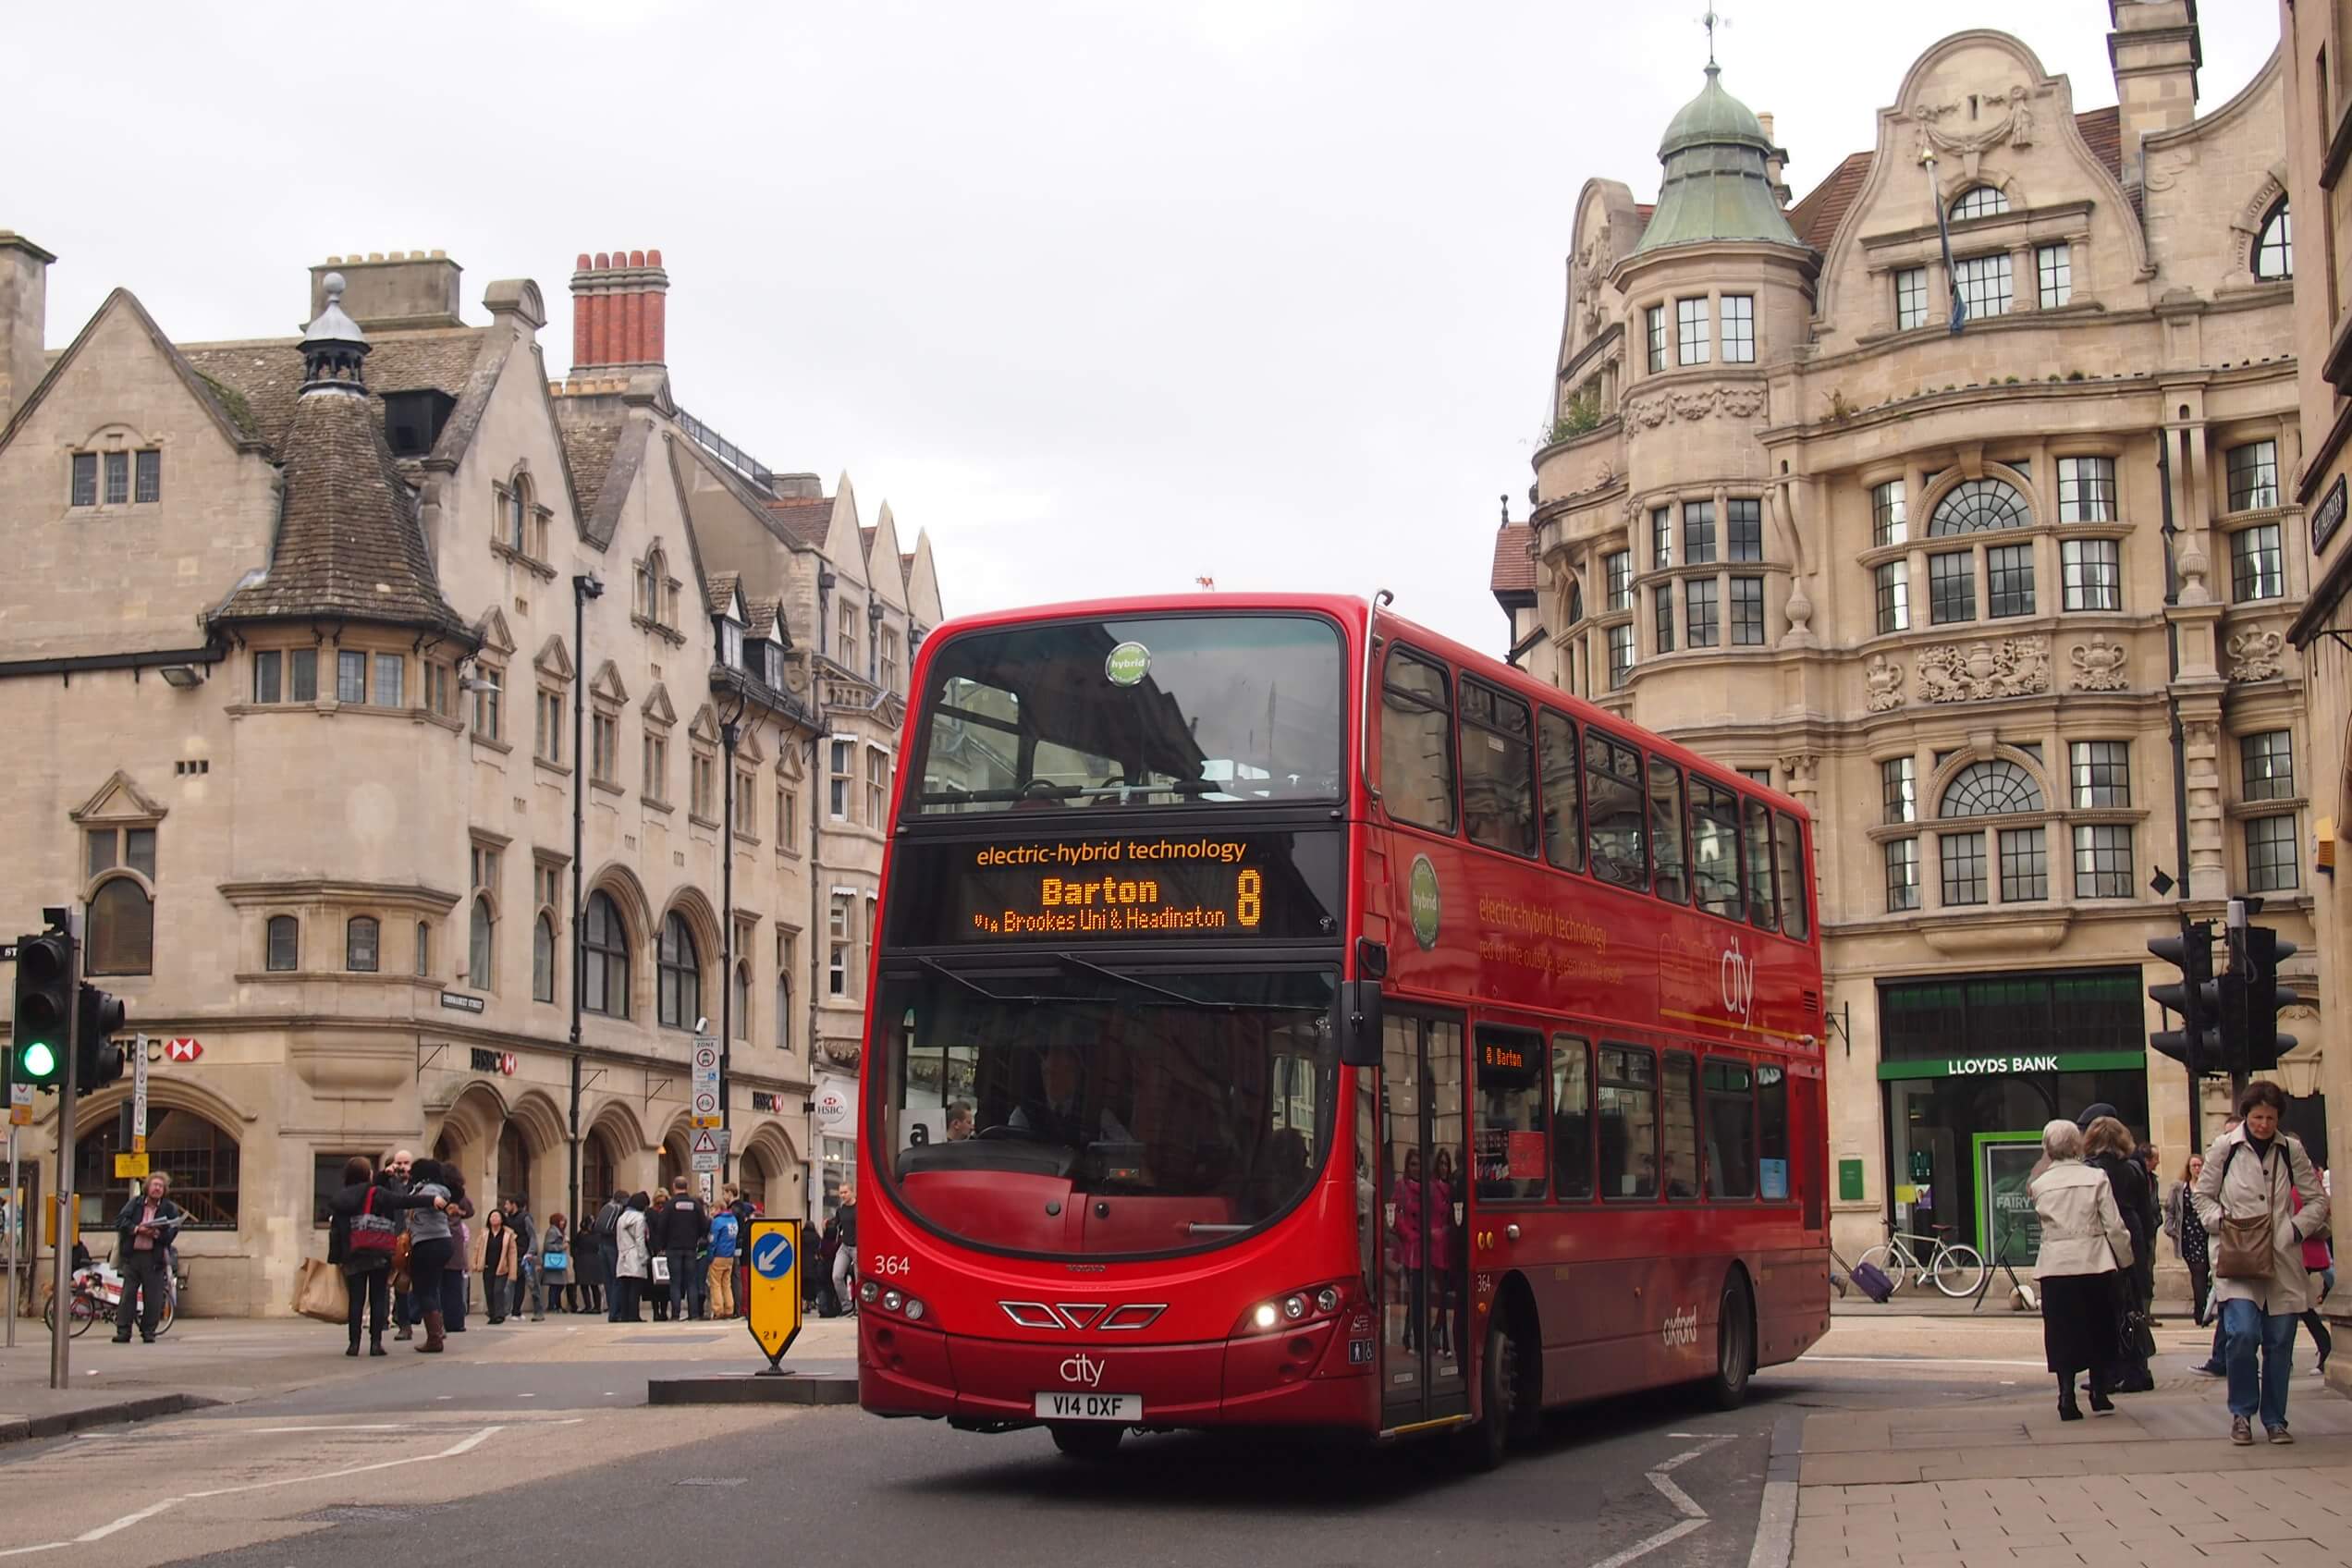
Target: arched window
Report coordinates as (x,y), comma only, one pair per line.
(543,959)
(201,1159)
(650,588)
(1979,201)
(604,958)
(519,514)
(1990,788)
(122,929)
(360,940)
(481,954)
(514,1164)
(1576,602)
(744,1002)
(784,1009)
(1979,505)
(2274,247)
(284,951)
(681,975)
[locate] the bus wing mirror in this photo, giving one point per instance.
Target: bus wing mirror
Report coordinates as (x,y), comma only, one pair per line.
(1360,1022)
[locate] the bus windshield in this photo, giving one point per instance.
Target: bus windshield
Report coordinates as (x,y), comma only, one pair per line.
(1087,1110)
(1159,711)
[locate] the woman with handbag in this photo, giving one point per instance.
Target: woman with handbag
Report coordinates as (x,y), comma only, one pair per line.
(2246,1198)
(363,1227)
(555,1260)
(632,1260)
(2085,1248)
(2108,1147)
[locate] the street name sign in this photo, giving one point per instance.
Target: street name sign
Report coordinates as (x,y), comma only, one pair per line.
(772,1308)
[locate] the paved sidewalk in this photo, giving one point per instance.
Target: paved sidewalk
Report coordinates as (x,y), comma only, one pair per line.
(213,1361)
(2005,1482)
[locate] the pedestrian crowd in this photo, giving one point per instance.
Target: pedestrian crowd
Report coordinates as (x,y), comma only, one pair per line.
(404,1234)
(2250,1218)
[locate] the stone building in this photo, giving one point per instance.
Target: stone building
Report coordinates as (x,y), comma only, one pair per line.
(2319,145)
(2006,607)
(431,742)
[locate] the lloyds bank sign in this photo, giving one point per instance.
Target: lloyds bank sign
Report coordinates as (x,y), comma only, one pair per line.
(2002,1064)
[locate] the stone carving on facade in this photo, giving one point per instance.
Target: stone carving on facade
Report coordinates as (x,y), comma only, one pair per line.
(1734,402)
(1798,769)
(1883,681)
(2015,128)
(2015,666)
(2100,664)
(1741,402)
(2201,734)
(2257,655)
(1695,405)
(841,1053)
(1591,276)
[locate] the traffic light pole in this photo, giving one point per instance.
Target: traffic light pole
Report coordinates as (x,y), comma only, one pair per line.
(61,1278)
(2196,1067)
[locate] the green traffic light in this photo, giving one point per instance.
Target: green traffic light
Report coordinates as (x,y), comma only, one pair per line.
(39,1061)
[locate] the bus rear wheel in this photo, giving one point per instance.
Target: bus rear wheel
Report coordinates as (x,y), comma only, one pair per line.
(1734,1346)
(1087,1439)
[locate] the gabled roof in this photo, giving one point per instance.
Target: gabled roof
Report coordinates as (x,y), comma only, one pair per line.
(348,545)
(1817,217)
(1514,562)
(227,410)
(721,590)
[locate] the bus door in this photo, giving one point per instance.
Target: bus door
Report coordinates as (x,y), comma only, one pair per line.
(1424,1280)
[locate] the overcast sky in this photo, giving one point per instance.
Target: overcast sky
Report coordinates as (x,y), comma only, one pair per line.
(1105,296)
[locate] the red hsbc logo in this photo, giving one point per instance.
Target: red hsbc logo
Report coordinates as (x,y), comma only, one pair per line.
(183,1049)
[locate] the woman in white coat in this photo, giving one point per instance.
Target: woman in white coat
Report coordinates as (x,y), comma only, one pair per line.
(631,1259)
(2253,1173)
(2085,1249)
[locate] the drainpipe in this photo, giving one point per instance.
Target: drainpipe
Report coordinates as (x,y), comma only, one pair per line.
(817,937)
(729,734)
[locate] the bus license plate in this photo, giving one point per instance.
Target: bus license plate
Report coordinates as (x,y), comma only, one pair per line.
(1091,1408)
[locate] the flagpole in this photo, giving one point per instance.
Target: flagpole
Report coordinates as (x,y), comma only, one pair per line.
(1943,234)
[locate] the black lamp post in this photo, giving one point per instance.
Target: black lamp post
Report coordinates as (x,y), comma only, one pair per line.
(584,587)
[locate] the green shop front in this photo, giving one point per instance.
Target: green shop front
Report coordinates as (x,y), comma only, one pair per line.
(1970,1067)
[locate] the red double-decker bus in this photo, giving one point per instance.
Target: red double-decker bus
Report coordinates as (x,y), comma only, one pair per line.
(1283,1016)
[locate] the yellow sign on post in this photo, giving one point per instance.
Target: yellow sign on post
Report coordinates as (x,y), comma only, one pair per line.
(773,1304)
(129,1165)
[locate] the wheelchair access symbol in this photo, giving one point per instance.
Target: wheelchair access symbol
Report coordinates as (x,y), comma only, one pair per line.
(772,1300)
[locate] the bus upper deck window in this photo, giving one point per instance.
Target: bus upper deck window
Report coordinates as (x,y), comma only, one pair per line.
(1613,804)
(1416,742)
(1763,908)
(1563,816)
(1497,771)
(1788,853)
(1666,831)
(1715,849)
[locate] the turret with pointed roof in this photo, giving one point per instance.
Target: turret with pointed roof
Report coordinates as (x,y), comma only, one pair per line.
(348,547)
(1718,183)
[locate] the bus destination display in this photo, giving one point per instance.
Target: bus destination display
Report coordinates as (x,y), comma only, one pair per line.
(1138,886)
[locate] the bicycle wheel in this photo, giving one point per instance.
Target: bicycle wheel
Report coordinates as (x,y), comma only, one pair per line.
(1888,1263)
(1958,1270)
(171,1311)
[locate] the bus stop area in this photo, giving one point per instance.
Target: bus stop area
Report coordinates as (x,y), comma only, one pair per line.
(1974,1484)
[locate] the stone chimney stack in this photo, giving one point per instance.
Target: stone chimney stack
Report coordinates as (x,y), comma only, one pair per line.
(24,313)
(388,292)
(1775,161)
(619,304)
(2155,50)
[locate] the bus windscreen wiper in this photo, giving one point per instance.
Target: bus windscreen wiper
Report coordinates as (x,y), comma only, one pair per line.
(1178,999)
(977,989)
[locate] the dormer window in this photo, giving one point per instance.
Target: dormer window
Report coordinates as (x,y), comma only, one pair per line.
(1979,201)
(412,421)
(731,644)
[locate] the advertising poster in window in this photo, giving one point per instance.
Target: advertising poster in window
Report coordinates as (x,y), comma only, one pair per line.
(2007,1227)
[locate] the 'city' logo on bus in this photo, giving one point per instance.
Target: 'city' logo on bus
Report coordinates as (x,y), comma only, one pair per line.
(1421,891)
(1681,1328)
(1737,975)
(1082,1370)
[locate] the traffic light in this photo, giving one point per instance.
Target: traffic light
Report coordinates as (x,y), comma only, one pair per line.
(2264,997)
(44,1000)
(98,1061)
(2196,997)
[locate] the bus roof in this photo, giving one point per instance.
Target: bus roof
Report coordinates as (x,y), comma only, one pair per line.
(1354,613)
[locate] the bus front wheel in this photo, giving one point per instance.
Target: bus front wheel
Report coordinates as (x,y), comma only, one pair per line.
(1087,1439)
(1734,1346)
(1488,1440)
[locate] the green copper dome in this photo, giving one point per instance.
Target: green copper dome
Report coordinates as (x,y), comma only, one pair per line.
(1715,185)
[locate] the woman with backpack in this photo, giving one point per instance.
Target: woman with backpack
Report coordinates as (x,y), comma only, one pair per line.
(2254,1175)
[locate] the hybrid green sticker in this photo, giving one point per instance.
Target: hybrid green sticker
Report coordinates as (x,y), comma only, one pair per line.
(1128,664)
(1424,895)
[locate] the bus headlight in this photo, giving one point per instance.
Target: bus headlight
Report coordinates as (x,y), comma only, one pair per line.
(913,1310)
(867,1291)
(1308,1303)
(1294,1308)
(892,1301)
(1264,1316)
(1327,1300)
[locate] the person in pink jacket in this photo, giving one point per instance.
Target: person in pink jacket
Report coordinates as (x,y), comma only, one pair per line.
(1445,1308)
(1412,1246)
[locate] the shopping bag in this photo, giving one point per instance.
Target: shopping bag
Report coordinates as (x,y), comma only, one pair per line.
(661,1269)
(320,1291)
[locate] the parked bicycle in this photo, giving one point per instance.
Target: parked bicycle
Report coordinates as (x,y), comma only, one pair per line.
(1953,1268)
(96,1296)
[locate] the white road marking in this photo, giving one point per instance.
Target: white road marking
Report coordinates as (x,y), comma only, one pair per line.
(463,1446)
(377,1426)
(1694,1517)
